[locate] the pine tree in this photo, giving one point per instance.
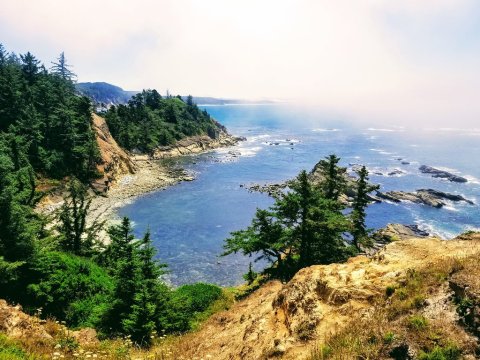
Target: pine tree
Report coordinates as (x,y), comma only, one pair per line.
(360,203)
(30,67)
(62,69)
(333,183)
(76,236)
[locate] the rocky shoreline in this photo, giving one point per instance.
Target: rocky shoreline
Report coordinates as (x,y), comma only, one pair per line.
(153,173)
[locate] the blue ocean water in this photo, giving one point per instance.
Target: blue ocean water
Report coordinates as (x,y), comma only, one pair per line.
(189,221)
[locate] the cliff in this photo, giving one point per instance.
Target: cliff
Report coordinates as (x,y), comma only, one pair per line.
(415,299)
(402,301)
(115,161)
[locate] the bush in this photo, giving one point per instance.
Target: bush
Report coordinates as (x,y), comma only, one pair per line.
(450,352)
(417,322)
(390,290)
(186,305)
(10,351)
(197,297)
(69,287)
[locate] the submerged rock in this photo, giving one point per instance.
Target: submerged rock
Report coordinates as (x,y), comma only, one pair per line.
(437,173)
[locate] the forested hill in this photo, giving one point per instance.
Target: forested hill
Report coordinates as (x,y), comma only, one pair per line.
(46,124)
(104,93)
(150,120)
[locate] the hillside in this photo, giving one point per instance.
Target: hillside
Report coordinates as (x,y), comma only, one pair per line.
(416,298)
(102,92)
(404,300)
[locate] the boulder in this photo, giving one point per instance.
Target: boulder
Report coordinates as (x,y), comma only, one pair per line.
(428,197)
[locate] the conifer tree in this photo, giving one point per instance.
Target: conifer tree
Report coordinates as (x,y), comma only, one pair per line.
(333,183)
(76,236)
(62,69)
(360,203)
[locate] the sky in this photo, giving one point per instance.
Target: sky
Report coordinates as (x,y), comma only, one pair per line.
(408,60)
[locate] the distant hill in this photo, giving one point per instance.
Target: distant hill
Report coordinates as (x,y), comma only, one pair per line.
(102,92)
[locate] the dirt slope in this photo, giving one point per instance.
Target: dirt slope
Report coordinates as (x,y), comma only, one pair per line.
(115,161)
(286,321)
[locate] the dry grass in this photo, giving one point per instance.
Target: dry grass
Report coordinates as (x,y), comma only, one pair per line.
(408,319)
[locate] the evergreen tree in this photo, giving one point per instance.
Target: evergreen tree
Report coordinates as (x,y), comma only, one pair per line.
(62,69)
(76,236)
(360,203)
(333,183)
(30,67)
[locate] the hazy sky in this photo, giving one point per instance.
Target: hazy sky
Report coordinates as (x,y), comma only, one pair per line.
(410,59)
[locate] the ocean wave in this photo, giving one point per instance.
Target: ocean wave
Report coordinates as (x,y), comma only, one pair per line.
(258,137)
(249,151)
(450,207)
(472,179)
(385,130)
(381,151)
(433,229)
(324,130)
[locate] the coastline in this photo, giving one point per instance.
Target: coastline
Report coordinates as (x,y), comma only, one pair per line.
(151,173)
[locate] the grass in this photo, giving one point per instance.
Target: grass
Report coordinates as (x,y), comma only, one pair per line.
(10,350)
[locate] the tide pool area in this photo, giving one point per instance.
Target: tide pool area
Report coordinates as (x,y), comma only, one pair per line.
(190,221)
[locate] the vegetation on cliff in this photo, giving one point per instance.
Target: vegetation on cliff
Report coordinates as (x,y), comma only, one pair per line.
(150,120)
(57,267)
(308,224)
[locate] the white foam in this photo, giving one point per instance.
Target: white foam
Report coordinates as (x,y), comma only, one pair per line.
(472,179)
(250,151)
(324,130)
(258,137)
(450,207)
(384,130)
(430,228)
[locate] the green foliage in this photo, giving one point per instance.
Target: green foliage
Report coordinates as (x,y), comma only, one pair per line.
(251,275)
(188,303)
(62,284)
(389,337)
(75,235)
(390,290)
(138,303)
(360,203)
(305,226)
(51,121)
(9,350)
(450,352)
(417,322)
(148,120)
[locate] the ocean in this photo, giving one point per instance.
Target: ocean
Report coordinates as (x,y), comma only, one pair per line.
(190,221)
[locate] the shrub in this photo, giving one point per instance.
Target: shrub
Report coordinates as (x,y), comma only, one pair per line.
(69,287)
(417,322)
(197,297)
(10,351)
(450,352)
(390,290)
(388,337)
(186,305)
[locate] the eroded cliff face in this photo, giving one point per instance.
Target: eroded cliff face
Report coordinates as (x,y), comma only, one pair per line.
(115,161)
(290,320)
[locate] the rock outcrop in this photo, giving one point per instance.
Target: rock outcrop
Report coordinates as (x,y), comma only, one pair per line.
(289,320)
(195,145)
(115,161)
(428,197)
(437,173)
